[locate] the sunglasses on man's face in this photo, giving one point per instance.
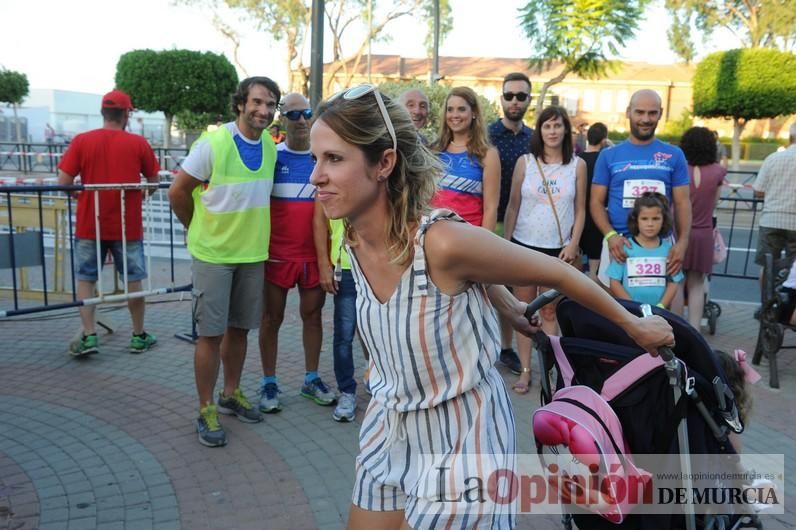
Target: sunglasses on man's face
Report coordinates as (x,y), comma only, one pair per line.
(521,96)
(357,92)
(294,115)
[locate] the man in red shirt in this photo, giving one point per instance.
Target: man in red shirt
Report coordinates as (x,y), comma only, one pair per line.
(110,155)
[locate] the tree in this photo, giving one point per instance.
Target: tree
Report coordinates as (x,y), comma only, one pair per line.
(343,14)
(445,23)
(581,35)
(172,81)
(13,90)
(680,40)
(744,85)
(289,21)
(756,23)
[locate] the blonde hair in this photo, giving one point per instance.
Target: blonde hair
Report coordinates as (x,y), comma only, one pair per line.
(413,180)
(478,144)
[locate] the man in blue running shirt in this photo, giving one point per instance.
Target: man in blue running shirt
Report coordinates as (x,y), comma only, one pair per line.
(641,163)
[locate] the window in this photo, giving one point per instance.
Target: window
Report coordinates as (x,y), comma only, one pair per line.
(622,99)
(589,100)
(570,102)
(607,101)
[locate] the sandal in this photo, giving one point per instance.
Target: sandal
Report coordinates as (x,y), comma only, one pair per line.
(520,387)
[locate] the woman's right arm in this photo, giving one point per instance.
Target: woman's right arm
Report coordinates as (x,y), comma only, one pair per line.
(515,199)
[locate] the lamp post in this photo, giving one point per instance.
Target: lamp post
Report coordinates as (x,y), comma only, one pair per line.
(316,54)
(370,34)
(435,51)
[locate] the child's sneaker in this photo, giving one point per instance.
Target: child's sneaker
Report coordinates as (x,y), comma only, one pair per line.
(238,405)
(85,346)
(317,391)
(209,429)
(141,343)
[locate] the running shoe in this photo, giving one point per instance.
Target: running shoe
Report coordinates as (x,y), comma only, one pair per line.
(238,405)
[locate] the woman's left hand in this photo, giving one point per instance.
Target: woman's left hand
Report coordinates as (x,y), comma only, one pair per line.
(569,253)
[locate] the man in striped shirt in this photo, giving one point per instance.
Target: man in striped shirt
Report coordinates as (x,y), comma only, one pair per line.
(292,257)
(776,181)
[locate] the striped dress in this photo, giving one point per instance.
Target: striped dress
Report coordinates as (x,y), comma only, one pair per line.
(440,413)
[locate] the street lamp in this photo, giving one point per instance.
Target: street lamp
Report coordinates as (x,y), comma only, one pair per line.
(316,54)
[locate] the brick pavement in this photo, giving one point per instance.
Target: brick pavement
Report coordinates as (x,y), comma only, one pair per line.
(108,442)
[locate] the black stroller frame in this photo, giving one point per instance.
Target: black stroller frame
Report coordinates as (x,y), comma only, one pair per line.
(681,387)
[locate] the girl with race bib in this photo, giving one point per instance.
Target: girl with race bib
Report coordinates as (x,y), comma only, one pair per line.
(643,277)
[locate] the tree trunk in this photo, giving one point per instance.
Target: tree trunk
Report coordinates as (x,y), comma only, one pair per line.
(167,131)
(543,91)
(16,122)
(737,128)
(291,56)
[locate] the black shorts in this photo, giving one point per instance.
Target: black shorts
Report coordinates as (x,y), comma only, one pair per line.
(549,251)
(591,242)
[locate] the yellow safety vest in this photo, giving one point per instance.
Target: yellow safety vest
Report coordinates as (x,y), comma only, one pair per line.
(232,215)
(339,253)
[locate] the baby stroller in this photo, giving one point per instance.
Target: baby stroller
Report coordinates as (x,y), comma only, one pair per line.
(677,404)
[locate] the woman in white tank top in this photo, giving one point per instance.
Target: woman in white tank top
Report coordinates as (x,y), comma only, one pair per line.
(546,211)
(428,285)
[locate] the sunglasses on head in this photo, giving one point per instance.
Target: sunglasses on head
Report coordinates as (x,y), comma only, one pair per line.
(521,96)
(294,115)
(357,92)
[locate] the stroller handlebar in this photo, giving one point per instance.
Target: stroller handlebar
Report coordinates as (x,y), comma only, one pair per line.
(665,352)
(539,302)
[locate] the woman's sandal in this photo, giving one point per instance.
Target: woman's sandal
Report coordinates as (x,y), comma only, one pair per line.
(521,387)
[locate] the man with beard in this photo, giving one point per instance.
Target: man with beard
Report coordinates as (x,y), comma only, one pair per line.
(292,258)
(639,164)
(512,138)
(222,195)
(416,102)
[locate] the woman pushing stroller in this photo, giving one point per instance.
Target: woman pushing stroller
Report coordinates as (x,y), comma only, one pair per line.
(429,285)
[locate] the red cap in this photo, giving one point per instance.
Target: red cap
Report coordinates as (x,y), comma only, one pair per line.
(116,99)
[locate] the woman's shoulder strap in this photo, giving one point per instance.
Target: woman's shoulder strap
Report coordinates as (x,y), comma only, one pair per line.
(419,260)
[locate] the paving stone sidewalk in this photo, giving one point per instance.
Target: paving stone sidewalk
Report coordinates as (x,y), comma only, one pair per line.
(108,442)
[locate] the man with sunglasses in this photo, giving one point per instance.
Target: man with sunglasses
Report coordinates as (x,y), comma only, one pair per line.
(293,260)
(512,138)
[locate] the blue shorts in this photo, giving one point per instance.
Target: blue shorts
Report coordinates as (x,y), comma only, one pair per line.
(86,253)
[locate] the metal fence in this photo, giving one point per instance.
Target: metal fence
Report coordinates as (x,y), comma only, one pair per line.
(37,232)
(44,158)
(37,224)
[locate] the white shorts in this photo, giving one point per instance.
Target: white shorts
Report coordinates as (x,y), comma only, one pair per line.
(472,434)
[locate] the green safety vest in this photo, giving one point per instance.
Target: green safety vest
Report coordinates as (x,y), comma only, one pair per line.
(232,214)
(339,253)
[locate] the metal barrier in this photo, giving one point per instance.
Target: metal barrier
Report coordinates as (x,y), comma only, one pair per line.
(44,158)
(738,222)
(34,218)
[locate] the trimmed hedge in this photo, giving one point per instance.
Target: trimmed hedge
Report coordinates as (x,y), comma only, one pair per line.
(746,83)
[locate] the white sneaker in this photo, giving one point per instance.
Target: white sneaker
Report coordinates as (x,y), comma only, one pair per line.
(346,408)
